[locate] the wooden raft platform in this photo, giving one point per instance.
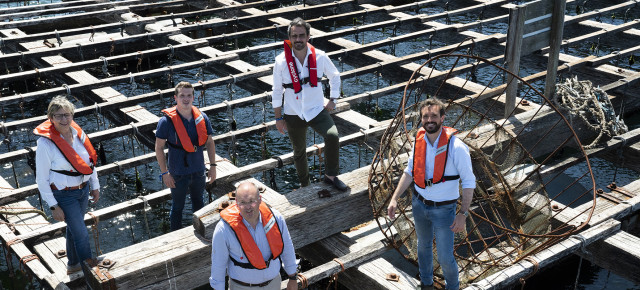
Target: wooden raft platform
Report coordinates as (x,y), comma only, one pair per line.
(54,43)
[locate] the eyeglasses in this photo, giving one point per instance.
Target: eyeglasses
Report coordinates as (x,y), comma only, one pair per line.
(60,116)
(248,203)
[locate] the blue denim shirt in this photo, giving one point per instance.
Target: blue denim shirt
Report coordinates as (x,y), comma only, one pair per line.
(195,161)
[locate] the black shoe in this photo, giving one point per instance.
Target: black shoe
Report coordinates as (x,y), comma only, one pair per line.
(337,183)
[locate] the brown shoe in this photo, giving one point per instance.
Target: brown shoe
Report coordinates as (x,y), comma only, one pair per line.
(73,269)
(92,262)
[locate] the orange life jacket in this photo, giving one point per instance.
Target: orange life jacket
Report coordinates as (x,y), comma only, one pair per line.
(232,216)
(201,128)
(48,130)
(420,158)
(293,69)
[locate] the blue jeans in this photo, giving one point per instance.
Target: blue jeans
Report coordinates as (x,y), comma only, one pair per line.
(430,220)
(74,204)
(189,183)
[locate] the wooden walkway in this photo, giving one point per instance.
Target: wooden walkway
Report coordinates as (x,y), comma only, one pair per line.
(46,45)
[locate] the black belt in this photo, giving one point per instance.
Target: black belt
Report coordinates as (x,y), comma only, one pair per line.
(252,285)
(303,81)
(434,203)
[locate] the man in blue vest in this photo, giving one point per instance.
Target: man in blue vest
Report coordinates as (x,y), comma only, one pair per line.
(299,103)
(440,163)
(187,131)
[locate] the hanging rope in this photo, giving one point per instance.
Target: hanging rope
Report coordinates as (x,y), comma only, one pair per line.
(145,208)
(96,232)
(583,245)
(132,85)
(592,106)
(334,277)
(535,270)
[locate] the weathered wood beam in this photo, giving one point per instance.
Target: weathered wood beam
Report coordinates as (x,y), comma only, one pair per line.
(70,18)
(43,6)
(51,71)
(370,274)
(81,87)
(8,38)
(618,253)
(13,58)
(297,10)
(185,250)
(46,9)
(348,261)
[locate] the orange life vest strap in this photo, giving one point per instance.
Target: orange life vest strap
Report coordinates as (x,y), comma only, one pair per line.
(442,154)
(231,215)
(185,141)
(293,69)
(48,130)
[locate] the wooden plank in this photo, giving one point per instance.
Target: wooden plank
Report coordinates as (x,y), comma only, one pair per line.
(512,56)
(618,253)
(304,202)
(41,10)
(369,275)
(63,18)
(557,27)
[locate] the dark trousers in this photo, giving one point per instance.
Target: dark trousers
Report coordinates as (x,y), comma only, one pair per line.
(323,124)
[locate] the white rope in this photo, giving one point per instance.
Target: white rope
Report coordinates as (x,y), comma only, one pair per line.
(591,105)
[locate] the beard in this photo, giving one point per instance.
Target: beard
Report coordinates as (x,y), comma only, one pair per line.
(431,129)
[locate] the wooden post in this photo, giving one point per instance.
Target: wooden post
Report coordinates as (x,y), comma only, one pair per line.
(557,26)
(512,55)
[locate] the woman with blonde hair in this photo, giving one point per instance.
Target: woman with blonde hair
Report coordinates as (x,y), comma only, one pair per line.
(65,173)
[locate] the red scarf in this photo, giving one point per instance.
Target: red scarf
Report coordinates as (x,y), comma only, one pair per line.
(293,69)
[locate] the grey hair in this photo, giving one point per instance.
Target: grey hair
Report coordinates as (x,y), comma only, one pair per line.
(60,102)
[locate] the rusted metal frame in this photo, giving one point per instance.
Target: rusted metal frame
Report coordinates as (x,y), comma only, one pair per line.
(609,197)
(455,63)
(621,190)
(70,9)
(12,58)
(43,72)
(114,80)
(63,18)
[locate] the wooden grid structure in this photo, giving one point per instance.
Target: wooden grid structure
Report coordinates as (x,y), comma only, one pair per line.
(43,46)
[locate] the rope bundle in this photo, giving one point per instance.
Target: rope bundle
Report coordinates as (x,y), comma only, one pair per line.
(591,105)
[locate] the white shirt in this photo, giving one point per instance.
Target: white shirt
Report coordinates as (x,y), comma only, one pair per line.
(458,163)
(310,101)
(225,244)
(49,157)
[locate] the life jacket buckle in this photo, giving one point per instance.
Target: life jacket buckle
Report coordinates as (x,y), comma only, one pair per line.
(195,148)
(428,182)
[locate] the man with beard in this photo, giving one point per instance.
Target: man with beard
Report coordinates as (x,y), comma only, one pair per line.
(439,164)
(296,74)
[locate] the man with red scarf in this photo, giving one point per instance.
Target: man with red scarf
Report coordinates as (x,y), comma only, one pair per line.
(299,102)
